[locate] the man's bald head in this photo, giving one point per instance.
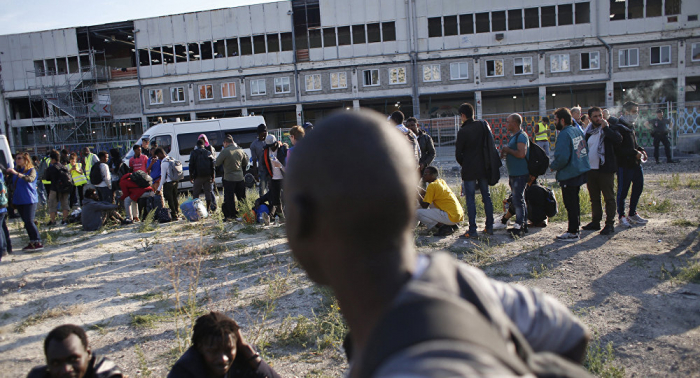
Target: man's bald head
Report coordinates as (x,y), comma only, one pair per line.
(351,184)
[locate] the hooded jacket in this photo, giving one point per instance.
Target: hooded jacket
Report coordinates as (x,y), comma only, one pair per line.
(570,154)
(91,214)
(628,148)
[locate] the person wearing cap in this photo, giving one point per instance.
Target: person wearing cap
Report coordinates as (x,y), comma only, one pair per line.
(145,150)
(308,126)
(274,161)
(202,174)
(257,150)
(234,161)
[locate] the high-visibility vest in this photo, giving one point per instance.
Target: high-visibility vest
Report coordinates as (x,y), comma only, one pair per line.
(88,162)
(48,162)
(542,132)
(79,179)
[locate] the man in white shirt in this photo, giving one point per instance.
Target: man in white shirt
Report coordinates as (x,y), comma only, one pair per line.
(168,184)
(104,189)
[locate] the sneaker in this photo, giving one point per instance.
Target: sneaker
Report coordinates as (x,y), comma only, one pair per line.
(608,230)
(592,227)
(33,247)
(500,225)
(444,231)
(38,246)
(569,237)
(125,222)
(624,222)
(136,219)
(468,235)
(64,222)
(637,219)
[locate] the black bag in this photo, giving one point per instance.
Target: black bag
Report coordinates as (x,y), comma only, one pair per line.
(538,161)
(550,207)
(204,160)
(140,178)
(492,159)
(96,174)
(163,215)
(64,182)
(146,205)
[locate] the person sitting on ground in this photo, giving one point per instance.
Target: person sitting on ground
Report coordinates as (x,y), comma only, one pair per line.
(439,205)
(131,193)
(535,200)
(367,257)
(219,351)
(95,212)
(68,354)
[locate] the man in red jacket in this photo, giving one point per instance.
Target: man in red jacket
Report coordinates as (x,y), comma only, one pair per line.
(131,194)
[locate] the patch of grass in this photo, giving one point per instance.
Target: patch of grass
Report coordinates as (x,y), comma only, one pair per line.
(5,316)
(687,274)
(145,297)
(299,331)
(600,360)
(148,224)
(146,320)
(654,205)
(539,272)
(684,223)
(55,312)
(143,363)
(50,236)
(479,254)
(250,229)
(247,205)
(639,261)
(101,328)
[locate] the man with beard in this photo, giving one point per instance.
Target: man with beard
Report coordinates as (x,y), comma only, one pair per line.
(630,173)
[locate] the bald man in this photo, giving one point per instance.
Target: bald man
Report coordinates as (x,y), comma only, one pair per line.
(366,255)
(516,153)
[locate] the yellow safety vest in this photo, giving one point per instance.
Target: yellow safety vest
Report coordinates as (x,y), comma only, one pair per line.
(88,162)
(79,179)
(542,132)
(48,162)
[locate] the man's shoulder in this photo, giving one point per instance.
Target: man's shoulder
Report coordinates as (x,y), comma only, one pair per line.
(104,367)
(38,372)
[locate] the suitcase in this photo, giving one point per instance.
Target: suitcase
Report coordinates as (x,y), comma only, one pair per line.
(194,210)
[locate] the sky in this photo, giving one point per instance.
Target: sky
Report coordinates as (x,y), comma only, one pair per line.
(21,16)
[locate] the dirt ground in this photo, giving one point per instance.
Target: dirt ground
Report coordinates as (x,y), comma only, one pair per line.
(639,290)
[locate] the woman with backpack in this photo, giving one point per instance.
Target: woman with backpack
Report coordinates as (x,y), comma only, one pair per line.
(25,198)
(79,178)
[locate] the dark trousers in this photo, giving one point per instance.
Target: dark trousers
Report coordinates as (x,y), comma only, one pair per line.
(276,195)
(105,193)
(233,191)
(206,186)
(667,147)
(627,177)
(27,213)
(3,241)
(602,182)
(170,195)
(570,195)
(6,231)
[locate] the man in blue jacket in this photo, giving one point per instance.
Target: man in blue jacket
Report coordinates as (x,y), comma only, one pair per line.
(571,163)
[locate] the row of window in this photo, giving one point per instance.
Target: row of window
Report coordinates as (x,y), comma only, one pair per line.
(269,43)
(60,66)
(513,19)
(631,9)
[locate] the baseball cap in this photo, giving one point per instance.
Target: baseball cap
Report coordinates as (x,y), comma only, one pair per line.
(307,125)
(270,139)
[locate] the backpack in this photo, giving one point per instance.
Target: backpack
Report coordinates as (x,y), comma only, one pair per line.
(538,161)
(175,172)
(433,314)
(4,199)
(203,161)
(141,179)
(64,183)
(550,207)
(163,215)
(96,174)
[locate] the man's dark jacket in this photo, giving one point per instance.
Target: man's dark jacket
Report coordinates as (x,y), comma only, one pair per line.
(611,141)
(99,367)
(191,365)
(427,148)
(196,155)
(628,148)
(469,150)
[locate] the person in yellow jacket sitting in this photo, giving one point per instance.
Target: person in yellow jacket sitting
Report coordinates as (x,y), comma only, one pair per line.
(440,208)
(542,134)
(79,179)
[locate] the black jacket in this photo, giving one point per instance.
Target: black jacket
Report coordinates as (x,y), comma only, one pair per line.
(191,365)
(201,157)
(427,148)
(469,150)
(611,141)
(628,148)
(99,367)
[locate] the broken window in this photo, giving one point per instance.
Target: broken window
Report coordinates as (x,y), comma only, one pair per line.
(370,78)
(673,7)
(273,42)
(257,87)
(73,66)
(287,41)
(328,37)
(168,56)
(373,33)
(590,60)
(532,18)
(155,96)
(583,13)
(358,34)
(84,60)
(617,10)
(344,36)
(466,24)
(388,31)
(259,44)
(522,66)
(654,8)
(660,55)
(177,94)
(205,50)
(193,51)
(206,92)
(515,19)
(450,25)
(498,21)
(397,75)
(549,16)
(39,68)
(635,9)
(339,80)
(628,58)
(219,48)
(61,66)
(156,55)
(282,85)
(315,38)
(565,14)
(180,53)
(431,72)
(232,47)
(459,71)
(559,63)
(144,60)
(494,68)
(313,82)
(435,27)
(246,46)
(483,25)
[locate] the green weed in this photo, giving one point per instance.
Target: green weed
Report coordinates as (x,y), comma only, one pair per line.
(148,223)
(143,364)
(48,314)
(539,272)
(599,360)
(684,223)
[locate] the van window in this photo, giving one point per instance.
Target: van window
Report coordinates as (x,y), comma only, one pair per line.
(187,142)
(164,141)
(243,137)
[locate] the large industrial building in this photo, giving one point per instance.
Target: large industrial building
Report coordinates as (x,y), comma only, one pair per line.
(296,61)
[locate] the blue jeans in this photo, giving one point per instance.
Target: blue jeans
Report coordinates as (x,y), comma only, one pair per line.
(470,194)
(3,242)
(27,213)
(625,178)
(517,187)
(41,192)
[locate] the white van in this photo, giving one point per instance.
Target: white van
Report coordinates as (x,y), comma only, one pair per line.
(179,139)
(6,158)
